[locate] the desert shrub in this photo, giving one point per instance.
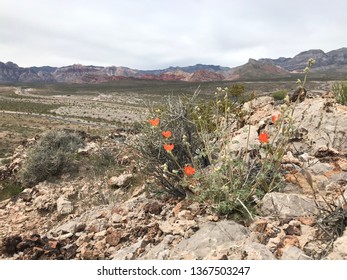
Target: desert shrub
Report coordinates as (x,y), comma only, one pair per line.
(340,92)
(184,144)
(175,119)
(180,132)
(52,155)
(9,188)
(5,161)
(279,95)
(101,162)
(105,158)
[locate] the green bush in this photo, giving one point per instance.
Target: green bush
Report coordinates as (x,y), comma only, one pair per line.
(199,131)
(101,162)
(279,95)
(174,116)
(9,188)
(340,92)
(52,155)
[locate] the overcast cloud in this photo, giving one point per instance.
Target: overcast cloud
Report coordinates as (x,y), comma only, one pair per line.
(153,34)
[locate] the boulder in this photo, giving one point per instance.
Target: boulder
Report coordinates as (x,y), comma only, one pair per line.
(120,181)
(324,128)
(287,205)
(211,236)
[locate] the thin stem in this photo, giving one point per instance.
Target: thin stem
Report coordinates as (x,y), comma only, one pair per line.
(244,206)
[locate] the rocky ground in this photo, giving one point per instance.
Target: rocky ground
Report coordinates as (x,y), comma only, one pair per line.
(119,217)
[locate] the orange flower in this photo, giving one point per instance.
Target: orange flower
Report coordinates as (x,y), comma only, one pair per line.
(154,122)
(275,118)
(168,147)
(263,137)
(189,170)
(166,134)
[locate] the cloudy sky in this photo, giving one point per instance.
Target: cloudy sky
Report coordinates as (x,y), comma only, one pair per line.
(153,34)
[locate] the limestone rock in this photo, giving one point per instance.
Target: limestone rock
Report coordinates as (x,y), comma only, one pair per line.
(120,181)
(304,181)
(129,253)
(179,227)
(45,202)
(294,253)
(320,168)
(287,205)
(64,206)
(69,227)
(289,158)
(256,251)
(238,142)
(257,103)
(208,238)
(161,251)
(322,126)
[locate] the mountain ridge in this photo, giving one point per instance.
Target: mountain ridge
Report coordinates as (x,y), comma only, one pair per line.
(333,63)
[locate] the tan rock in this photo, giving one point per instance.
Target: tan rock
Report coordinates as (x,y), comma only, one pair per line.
(309,221)
(258,226)
(114,238)
(177,208)
(256,251)
(305,182)
(64,206)
(294,253)
(287,205)
(120,181)
(342,164)
(289,158)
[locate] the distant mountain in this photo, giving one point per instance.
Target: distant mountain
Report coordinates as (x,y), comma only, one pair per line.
(258,70)
(332,64)
(335,60)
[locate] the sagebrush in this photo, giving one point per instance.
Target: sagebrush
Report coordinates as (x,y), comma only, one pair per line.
(52,155)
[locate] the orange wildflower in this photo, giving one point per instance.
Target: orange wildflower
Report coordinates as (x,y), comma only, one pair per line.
(275,118)
(189,170)
(166,134)
(154,122)
(168,147)
(263,137)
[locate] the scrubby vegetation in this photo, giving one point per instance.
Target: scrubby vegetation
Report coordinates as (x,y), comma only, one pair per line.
(28,107)
(52,155)
(340,92)
(279,95)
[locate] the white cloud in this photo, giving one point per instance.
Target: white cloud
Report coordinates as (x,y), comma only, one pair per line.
(149,34)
